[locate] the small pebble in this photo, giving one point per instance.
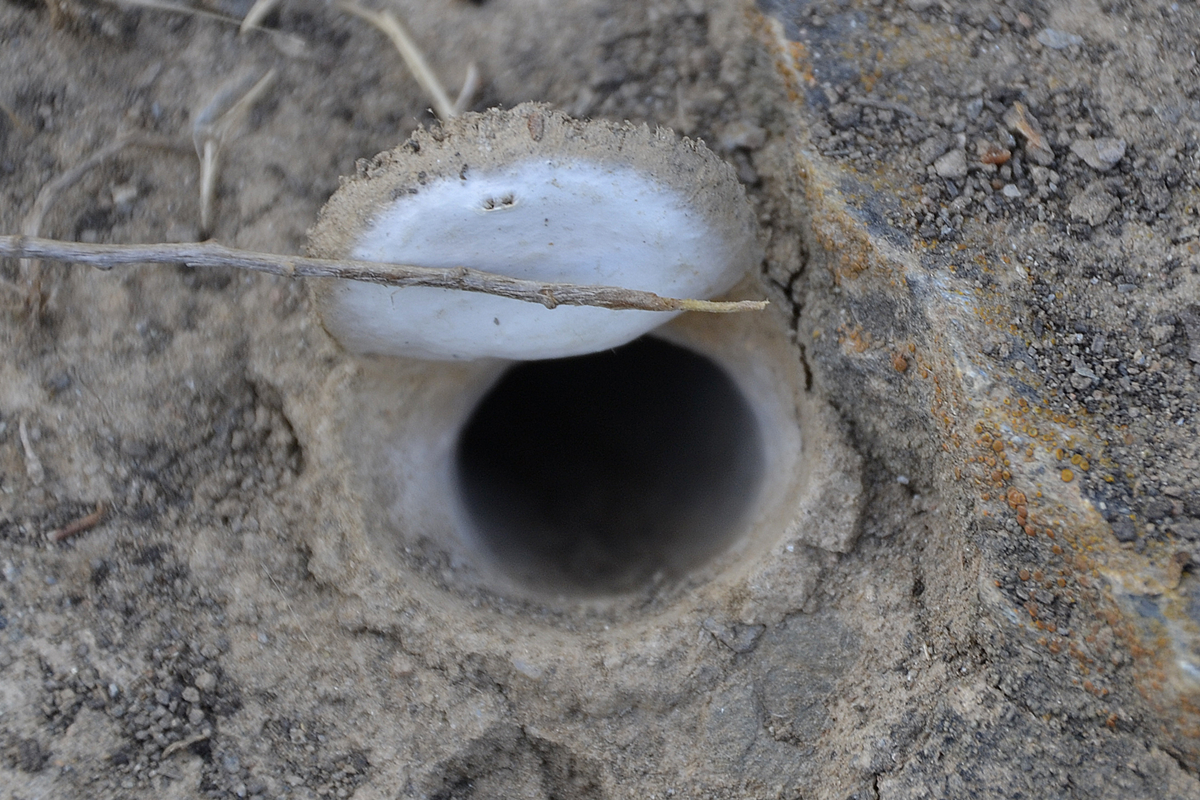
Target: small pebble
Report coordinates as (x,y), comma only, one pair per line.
(952,165)
(205,681)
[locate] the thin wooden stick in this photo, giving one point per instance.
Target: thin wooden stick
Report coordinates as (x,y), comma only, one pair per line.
(80,525)
(211,254)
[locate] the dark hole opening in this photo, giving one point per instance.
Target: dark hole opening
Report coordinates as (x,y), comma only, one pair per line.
(605,473)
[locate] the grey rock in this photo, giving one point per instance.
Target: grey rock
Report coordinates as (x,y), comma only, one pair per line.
(1099,154)
(206,681)
(1123,529)
(845,115)
(796,668)
(1158,508)
(934,146)
(952,165)
(1188,529)
(1155,195)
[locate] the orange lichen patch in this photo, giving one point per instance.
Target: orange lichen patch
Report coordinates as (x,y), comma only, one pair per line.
(1067,476)
(858,339)
(790,58)
(899,363)
(869,79)
(847,247)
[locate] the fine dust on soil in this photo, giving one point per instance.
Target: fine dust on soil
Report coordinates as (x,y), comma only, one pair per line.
(231,629)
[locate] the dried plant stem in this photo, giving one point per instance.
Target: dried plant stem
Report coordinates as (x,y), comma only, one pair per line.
(257,13)
(210,254)
(230,105)
(387,22)
(85,523)
(471,85)
(290,45)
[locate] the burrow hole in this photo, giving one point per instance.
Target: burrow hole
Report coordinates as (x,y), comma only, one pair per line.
(607,473)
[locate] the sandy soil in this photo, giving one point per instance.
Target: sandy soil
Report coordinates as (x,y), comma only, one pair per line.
(969,569)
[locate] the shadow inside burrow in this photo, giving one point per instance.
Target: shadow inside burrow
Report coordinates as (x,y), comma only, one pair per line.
(605,473)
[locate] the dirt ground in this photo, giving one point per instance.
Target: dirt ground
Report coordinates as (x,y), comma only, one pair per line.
(969,569)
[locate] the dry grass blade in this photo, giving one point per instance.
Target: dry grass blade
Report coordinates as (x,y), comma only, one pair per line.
(213,124)
(387,22)
(210,254)
(470,88)
(257,13)
(290,44)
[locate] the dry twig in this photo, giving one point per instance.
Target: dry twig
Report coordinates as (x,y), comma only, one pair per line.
(85,523)
(210,254)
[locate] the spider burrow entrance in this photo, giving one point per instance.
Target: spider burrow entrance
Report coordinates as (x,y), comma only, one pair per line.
(609,472)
